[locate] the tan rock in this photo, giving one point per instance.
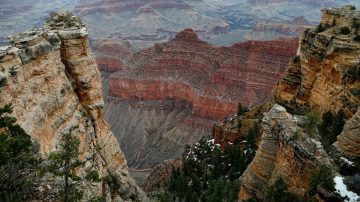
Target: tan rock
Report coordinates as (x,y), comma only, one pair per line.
(53,84)
(284,151)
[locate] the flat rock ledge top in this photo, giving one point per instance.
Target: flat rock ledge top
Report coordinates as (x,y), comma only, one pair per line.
(30,44)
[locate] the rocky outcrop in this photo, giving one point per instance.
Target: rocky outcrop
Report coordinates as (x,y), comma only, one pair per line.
(322,77)
(348,142)
(50,77)
(328,64)
(284,151)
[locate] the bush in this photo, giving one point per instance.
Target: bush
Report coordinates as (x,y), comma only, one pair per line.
(357,39)
(312,123)
(323,177)
(320,28)
(278,192)
(296,59)
(17,162)
(344,30)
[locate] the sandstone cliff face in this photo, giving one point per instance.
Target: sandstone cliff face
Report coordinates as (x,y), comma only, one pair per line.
(323,77)
(328,65)
(284,151)
(50,77)
(348,142)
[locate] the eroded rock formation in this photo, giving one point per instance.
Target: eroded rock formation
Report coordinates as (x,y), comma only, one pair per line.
(323,77)
(213,79)
(284,151)
(172,94)
(328,66)
(50,77)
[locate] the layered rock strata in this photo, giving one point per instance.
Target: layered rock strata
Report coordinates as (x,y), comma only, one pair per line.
(213,79)
(171,95)
(326,74)
(50,77)
(284,151)
(323,77)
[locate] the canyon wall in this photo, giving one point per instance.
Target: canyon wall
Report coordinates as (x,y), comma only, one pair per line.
(172,94)
(50,77)
(323,77)
(326,74)
(213,79)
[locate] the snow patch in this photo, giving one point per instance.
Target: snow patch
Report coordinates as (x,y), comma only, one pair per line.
(347,161)
(343,191)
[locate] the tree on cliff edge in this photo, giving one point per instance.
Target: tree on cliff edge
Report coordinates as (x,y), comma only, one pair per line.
(64,162)
(17,162)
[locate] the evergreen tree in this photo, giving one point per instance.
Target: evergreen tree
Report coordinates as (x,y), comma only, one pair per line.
(278,192)
(312,123)
(241,109)
(323,176)
(17,162)
(64,162)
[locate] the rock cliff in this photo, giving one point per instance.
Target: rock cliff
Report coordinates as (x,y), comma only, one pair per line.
(172,94)
(326,75)
(213,79)
(50,77)
(284,151)
(323,77)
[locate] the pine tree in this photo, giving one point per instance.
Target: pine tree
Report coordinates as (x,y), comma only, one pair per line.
(17,161)
(64,162)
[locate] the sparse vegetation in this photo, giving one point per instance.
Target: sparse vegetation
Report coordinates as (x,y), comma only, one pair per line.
(17,159)
(312,123)
(278,192)
(330,127)
(345,30)
(241,109)
(64,162)
(323,176)
(357,39)
(296,59)
(66,16)
(209,173)
(320,28)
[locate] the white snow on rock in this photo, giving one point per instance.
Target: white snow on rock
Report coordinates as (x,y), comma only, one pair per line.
(343,191)
(347,161)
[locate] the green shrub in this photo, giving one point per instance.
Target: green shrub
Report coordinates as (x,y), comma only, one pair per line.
(323,176)
(312,123)
(17,162)
(320,28)
(296,59)
(278,192)
(344,30)
(357,38)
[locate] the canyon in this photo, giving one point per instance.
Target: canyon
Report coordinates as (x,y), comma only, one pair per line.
(172,94)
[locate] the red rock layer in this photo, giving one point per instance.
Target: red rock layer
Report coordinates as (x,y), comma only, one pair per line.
(213,79)
(110,53)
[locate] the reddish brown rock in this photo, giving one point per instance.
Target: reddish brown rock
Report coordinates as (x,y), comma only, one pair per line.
(110,53)
(213,79)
